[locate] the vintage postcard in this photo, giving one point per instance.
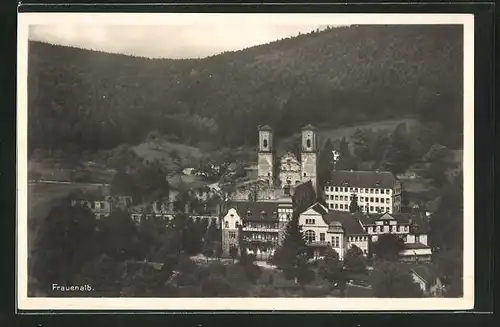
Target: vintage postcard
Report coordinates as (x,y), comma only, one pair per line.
(245,162)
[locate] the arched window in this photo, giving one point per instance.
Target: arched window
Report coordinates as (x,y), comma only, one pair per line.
(264,143)
(304,174)
(226,224)
(308,142)
(310,236)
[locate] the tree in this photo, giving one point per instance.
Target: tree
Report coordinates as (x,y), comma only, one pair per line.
(353,206)
(325,163)
(436,157)
(361,145)
(303,197)
(65,241)
(119,237)
(233,252)
(449,265)
(446,225)
(104,274)
(354,260)
(398,156)
(346,160)
(390,280)
(388,247)
(330,267)
(289,255)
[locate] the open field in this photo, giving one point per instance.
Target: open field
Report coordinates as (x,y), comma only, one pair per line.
(164,151)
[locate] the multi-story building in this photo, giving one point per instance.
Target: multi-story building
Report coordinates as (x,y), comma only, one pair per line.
(342,230)
(337,230)
(412,228)
(376,191)
(262,225)
(103,206)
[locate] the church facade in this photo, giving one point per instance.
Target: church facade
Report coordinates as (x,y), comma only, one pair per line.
(288,171)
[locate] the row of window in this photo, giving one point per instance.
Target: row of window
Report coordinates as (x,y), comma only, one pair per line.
(362,208)
(252,225)
(386,229)
(358,238)
(310,236)
(357,190)
(266,226)
(263,237)
(361,199)
(310,221)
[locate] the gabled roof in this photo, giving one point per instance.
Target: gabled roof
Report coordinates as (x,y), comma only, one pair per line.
(386,216)
(363,179)
(415,246)
(349,222)
(426,273)
(319,208)
(309,127)
(254,211)
(265,128)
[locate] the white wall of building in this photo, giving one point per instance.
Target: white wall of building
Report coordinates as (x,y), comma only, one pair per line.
(371,200)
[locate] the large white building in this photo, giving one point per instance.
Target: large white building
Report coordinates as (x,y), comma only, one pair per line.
(376,191)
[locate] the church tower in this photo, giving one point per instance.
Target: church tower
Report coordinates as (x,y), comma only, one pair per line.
(309,155)
(265,163)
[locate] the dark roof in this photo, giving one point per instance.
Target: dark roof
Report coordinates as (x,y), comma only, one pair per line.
(364,179)
(319,209)
(410,246)
(309,127)
(369,219)
(304,195)
(349,222)
(427,273)
(265,128)
(258,210)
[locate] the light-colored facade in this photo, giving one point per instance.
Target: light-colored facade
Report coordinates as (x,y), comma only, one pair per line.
(376,192)
(290,171)
(338,231)
(309,155)
(262,226)
(265,156)
(413,229)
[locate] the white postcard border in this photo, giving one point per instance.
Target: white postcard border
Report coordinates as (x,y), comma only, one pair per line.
(247,304)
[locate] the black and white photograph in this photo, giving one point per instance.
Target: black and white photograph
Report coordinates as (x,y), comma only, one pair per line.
(245,161)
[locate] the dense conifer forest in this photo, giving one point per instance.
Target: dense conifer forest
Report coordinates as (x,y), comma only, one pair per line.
(82,100)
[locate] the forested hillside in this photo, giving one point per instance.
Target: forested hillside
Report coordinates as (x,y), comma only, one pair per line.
(81,100)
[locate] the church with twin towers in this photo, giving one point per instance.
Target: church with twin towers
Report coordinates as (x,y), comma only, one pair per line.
(288,171)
